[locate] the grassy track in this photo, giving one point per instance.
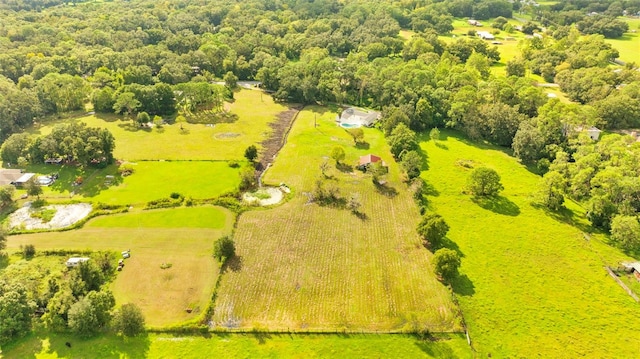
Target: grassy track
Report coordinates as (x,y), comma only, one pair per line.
(311,267)
(531,285)
(52,346)
(163,294)
(224,141)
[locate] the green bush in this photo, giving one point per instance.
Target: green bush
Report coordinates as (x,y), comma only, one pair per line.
(28,251)
(45,215)
(38,203)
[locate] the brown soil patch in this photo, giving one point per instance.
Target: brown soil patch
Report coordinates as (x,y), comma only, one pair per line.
(278,137)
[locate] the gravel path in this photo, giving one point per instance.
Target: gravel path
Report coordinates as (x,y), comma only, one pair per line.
(65,216)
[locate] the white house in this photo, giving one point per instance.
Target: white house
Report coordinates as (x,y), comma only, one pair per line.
(75,261)
(353,117)
(485,35)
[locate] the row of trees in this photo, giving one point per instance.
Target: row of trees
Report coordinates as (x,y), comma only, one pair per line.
(73,142)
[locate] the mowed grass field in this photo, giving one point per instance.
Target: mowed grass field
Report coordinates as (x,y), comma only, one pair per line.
(154,180)
(182,237)
(224,141)
(531,285)
(52,346)
(629,44)
(306,267)
(151,180)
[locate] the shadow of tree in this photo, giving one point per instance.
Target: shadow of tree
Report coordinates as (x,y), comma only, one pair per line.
(233,264)
(103,346)
(436,347)
(343,167)
(429,190)
(362,216)
(462,285)
(261,337)
(362,145)
(441,145)
(567,216)
(498,204)
(386,190)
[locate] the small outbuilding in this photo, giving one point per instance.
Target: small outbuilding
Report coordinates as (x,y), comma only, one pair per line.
(633,268)
(20,182)
(485,35)
(474,22)
(75,261)
(368,160)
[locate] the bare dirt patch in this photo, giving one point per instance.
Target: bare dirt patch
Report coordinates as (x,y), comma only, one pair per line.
(65,216)
(226,135)
(266,196)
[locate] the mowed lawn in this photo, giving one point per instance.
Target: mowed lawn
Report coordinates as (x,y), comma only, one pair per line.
(629,44)
(305,267)
(225,141)
(531,285)
(52,346)
(151,180)
(182,237)
(154,180)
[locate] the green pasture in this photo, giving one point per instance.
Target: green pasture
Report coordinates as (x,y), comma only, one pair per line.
(629,44)
(224,141)
(531,283)
(162,294)
(304,266)
(154,180)
(52,346)
(151,180)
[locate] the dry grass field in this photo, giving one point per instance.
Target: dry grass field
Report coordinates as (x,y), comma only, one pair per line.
(183,237)
(306,267)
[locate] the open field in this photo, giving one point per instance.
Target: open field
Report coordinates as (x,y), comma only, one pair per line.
(51,346)
(307,267)
(162,294)
(151,180)
(531,284)
(629,44)
(224,141)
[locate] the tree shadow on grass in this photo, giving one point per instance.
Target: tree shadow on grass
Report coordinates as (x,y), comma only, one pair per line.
(385,189)
(361,215)
(498,204)
(567,216)
(133,127)
(343,167)
(436,348)
(441,145)
(261,337)
(429,189)
(102,346)
(233,264)
(462,285)
(362,145)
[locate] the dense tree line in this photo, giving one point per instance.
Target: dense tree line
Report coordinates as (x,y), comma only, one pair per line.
(73,142)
